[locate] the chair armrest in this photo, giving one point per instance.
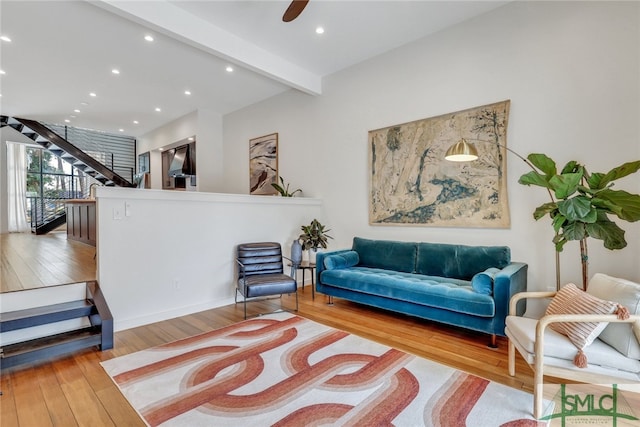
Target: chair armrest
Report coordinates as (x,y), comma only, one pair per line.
(242,267)
(513,303)
(293,266)
(579,318)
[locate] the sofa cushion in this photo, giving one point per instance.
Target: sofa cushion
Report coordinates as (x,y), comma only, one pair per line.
(523,331)
(619,335)
(482,282)
(386,254)
(412,288)
(571,300)
(459,261)
(342,260)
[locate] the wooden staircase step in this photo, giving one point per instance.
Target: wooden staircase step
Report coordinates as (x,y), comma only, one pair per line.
(20,319)
(48,347)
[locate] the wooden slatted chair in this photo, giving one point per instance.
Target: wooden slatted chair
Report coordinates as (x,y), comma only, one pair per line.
(612,358)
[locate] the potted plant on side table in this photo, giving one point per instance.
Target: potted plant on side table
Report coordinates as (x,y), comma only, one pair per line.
(314,236)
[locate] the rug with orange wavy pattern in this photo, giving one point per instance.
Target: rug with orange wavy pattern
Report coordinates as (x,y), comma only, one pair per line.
(284,370)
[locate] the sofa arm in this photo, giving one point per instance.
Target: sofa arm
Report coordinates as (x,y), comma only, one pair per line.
(320,256)
(508,282)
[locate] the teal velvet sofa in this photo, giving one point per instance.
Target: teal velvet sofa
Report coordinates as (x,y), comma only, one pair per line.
(465,286)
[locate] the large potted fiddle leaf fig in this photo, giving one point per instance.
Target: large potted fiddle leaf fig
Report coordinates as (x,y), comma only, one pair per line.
(583,204)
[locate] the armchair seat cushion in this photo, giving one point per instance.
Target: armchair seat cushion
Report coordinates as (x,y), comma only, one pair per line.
(522,330)
(266,284)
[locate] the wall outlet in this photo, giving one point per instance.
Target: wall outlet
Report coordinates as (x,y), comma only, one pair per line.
(127,209)
(117,214)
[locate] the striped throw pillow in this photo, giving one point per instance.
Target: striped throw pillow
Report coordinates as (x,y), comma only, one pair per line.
(571,300)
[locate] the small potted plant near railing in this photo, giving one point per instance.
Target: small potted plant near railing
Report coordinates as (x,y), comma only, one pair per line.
(313,237)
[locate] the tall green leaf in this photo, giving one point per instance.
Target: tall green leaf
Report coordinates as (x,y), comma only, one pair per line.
(578,209)
(566,184)
(558,222)
(572,167)
(544,209)
(598,180)
(544,163)
(625,205)
(609,232)
(574,231)
(534,178)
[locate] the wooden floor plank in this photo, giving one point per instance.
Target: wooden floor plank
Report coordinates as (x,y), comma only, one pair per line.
(8,411)
(30,403)
(83,401)
(57,404)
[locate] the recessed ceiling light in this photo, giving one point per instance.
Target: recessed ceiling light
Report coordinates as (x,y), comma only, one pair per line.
(319,30)
(148,38)
(187,92)
(135,122)
(158,109)
(5,39)
(115,71)
(76,111)
(67,121)
(72,116)
(92,94)
(190,138)
(229,69)
(2,72)
(121,130)
(84,103)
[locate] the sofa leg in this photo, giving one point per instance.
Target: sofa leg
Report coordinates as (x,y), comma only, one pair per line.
(493,341)
(330,300)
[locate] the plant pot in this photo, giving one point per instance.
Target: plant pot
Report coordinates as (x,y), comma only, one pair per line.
(312,255)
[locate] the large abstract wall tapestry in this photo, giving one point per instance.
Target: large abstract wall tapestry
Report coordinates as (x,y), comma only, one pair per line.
(263,164)
(412,184)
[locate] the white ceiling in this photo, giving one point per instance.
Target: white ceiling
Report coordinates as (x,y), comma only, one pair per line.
(60,51)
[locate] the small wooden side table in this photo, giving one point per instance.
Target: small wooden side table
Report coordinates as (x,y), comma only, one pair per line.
(304,266)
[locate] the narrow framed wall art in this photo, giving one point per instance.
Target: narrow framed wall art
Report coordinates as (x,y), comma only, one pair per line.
(263,164)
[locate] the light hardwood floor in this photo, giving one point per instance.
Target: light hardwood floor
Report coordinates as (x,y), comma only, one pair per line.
(75,391)
(28,261)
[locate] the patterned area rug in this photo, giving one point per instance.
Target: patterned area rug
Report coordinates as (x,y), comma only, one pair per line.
(284,370)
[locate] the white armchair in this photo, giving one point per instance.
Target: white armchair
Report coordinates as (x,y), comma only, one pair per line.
(613,357)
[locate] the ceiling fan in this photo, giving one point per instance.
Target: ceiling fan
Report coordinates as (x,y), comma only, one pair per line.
(294,10)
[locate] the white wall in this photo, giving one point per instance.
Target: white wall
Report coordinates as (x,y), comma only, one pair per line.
(571,72)
(209,149)
(163,254)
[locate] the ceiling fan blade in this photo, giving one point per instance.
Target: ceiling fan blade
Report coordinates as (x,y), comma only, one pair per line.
(294,10)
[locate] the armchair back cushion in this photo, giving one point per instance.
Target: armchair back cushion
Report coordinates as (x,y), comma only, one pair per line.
(459,261)
(627,293)
(260,258)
